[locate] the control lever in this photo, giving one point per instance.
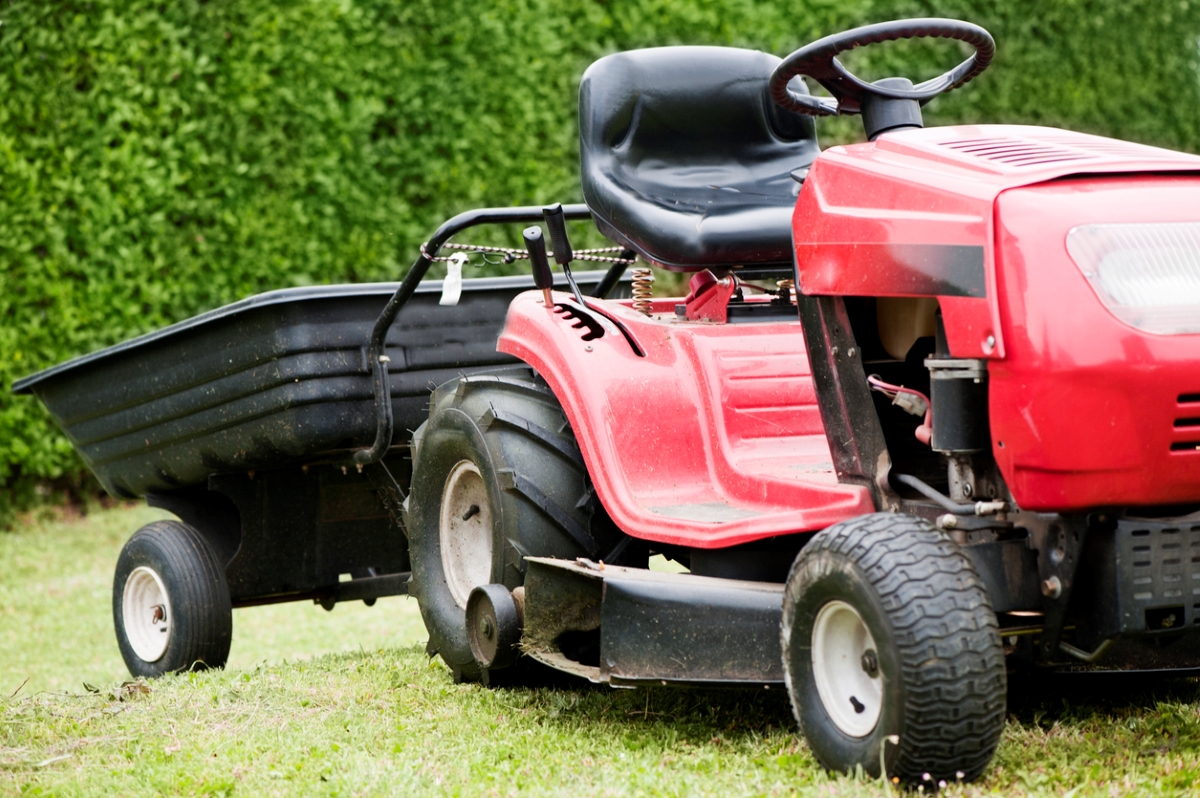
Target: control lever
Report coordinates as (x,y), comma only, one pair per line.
(557,224)
(535,245)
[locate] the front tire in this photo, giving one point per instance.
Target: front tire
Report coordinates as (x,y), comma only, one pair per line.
(171,605)
(890,644)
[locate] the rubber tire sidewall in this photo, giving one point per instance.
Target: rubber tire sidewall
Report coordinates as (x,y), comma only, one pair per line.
(453,439)
(202,614)
(829,576)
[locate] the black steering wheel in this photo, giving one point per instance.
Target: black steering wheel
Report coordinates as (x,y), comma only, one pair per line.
(818,61)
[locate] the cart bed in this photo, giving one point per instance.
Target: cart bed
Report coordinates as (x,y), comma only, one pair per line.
(276,379)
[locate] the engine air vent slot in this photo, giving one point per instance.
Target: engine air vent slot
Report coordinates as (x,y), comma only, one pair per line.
(1186,446)
(1017,151)
(1189,398)
(1187,422)
(1048,148)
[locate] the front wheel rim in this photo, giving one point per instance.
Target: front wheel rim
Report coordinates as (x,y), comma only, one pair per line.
(146,614)
(846,669)
(465,531)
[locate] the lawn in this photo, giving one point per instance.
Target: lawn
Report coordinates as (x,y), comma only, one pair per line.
(346,703)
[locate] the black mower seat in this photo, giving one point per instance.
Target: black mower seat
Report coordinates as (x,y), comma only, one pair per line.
(685,158)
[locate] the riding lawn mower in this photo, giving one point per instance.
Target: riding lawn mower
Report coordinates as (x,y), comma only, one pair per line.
(928,414)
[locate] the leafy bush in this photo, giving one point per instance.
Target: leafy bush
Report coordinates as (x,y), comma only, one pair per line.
(160,160)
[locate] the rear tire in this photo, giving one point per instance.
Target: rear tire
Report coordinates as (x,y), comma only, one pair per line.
(171,606)
(888,633)
(497,477)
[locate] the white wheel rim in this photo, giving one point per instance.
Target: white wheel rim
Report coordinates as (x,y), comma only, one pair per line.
(842,649)
(465,530)
(146,614)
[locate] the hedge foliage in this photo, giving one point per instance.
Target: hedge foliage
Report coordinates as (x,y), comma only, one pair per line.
(160,160)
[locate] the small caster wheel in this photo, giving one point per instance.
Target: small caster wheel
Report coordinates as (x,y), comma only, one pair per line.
(494,625)
(171,604)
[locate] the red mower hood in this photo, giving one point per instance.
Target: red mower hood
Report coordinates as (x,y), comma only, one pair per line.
(913,213)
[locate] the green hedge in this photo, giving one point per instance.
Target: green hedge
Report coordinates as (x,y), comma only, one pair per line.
(160,160)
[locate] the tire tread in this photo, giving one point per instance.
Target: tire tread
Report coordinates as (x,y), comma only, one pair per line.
(199,596)
(946,634)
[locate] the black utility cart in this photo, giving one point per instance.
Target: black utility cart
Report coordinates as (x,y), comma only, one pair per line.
(263,427)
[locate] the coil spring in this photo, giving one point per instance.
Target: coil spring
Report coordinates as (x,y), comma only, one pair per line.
(643,290)
(790,287)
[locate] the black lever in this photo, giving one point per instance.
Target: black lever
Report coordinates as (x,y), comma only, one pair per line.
(557,224)
(535,245)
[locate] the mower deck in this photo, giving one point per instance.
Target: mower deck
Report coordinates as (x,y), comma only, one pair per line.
(628,626)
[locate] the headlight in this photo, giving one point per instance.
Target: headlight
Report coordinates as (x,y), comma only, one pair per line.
(1147,275)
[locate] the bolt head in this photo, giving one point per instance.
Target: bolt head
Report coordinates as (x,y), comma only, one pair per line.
(486,630)
(870,663)
(1052,587)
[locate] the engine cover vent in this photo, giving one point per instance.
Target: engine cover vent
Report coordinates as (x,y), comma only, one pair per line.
(1013,151)
(1018,151)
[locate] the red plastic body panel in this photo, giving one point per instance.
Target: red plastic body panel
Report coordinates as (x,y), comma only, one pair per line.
(713,438)
(911,214)
(1083,407)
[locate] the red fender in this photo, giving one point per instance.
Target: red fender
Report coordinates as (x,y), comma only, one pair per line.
(711,438)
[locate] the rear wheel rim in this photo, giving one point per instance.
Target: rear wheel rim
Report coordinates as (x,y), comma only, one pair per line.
(846,669)
(465,531)
(146,614)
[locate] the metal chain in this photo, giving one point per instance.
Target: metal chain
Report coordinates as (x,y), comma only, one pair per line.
(511,254)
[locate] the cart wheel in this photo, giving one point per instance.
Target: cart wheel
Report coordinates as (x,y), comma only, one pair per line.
(497,477)
(891,649)
(170,602)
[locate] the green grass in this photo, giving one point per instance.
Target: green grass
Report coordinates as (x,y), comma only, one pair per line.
(346,703)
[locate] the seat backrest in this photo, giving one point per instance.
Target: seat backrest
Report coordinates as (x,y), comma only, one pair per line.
(686,159)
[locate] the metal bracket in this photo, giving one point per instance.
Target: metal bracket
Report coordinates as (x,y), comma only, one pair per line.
(856,441)
(365,589)
(1059,544)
